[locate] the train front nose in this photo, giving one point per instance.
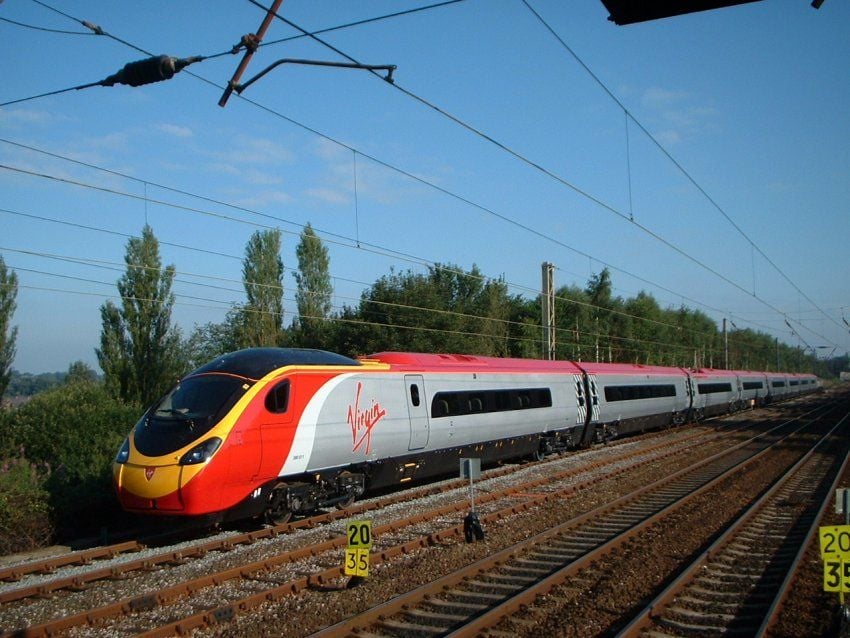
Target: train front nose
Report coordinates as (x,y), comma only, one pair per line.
(149,486)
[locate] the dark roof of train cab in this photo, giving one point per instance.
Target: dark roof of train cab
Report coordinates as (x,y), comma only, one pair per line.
(255,363)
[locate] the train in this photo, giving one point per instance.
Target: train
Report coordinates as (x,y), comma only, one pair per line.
(272,432)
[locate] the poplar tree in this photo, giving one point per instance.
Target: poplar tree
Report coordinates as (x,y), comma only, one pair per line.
(140,352)
(261,322)
(8,333)
(314,292)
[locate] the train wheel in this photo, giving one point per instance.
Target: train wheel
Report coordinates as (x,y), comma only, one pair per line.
(349,496)
(277,511)
(347,502)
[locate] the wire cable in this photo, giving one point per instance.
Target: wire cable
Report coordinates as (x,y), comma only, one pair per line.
(37,28)
(674,161)
(504,218)
(421,261)
(533,164)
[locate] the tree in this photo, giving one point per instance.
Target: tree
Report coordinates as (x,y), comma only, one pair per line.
(80,372)
(72,433)
(210,340)
(261,321)
(8,333)
(314,288)
(140,352)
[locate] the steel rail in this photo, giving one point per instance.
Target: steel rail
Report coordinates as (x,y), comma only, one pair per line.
(200,550)
(81,557)
(793,573)
(226,612)
(510,603)
(164,596)
(653,611)
(150,601)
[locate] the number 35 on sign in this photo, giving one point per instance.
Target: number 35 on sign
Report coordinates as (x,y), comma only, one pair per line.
(357,552)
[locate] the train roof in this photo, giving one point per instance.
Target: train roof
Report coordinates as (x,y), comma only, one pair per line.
(715,372)
(629,368)
(255,363)
(419,361)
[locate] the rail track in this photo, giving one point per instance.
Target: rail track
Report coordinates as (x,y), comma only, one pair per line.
(312,562)
(200,549)
(483,595)
(739,583)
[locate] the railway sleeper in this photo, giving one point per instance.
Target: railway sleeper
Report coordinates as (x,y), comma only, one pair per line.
(730,602)
(437,618)
(710,619)
(700,594)
(480,596)
(533,566)
(525,570)
(684,627)
(405,628)
(496,586)
(457,605)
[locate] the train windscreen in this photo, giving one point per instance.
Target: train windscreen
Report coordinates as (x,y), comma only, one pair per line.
(187,412)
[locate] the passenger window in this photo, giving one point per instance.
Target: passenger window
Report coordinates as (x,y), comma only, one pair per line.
(414,395)
(277,400)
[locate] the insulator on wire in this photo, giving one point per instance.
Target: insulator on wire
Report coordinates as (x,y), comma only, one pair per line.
(148,71)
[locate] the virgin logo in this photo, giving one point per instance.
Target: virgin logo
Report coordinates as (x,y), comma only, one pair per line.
(362,421)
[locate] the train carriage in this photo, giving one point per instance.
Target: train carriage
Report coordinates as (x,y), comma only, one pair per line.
(715,391)
(290,430)
(634,397)
(754,388)
(777,386)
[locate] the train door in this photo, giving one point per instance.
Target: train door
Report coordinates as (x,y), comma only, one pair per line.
(594,399)
(581,403)
(417,409)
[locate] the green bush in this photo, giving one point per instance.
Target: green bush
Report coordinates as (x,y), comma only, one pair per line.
(75,429)
(24,506)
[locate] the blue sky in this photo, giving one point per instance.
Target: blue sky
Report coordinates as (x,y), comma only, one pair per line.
(752,101)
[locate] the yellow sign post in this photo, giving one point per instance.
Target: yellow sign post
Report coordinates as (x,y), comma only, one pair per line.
(835,552)
(357,553)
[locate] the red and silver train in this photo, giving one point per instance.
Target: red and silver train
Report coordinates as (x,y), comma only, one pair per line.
(276,431)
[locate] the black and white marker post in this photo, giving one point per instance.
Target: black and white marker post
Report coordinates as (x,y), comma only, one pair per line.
(471,469)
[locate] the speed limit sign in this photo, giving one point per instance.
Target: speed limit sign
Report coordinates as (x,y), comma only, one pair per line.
(357,553)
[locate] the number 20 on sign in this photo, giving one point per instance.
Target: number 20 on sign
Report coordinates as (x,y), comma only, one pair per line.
(357,552)
(835,551)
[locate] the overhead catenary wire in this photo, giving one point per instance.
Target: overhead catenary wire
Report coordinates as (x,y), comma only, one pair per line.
(394,254)
(342,239)
(395,168)
(566,300)
(675,162)
(457,120)
(122,267)
(339,239)
(535,165)
(45,29)
(664,347)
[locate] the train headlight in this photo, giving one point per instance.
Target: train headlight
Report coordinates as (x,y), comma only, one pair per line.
(124,452)
(201,452)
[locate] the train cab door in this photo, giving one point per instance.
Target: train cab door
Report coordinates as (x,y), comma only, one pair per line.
(417,410)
